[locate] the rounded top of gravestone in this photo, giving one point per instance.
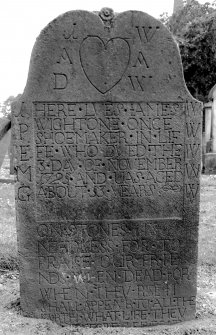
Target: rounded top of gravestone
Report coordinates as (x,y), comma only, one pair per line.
(212,93)
(86,56)
(207,104)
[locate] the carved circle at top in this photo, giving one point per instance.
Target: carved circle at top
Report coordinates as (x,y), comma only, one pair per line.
(106,14)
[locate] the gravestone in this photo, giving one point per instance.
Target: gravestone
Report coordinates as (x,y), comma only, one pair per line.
(107,144)
(5,135)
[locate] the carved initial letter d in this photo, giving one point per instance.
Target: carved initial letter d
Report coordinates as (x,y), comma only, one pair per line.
(61,81)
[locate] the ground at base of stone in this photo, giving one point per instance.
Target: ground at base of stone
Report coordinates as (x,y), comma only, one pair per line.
(12,322)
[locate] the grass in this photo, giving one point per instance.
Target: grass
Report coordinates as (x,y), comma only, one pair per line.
(207,225)
(8,237)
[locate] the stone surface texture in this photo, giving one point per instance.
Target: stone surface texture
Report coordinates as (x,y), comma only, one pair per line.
(108,161)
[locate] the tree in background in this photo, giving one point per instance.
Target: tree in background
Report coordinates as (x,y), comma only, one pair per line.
(194,28)
(5,107)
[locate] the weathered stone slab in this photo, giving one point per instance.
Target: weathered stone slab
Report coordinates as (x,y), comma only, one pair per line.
(210,163)
(5,135)
(108,164)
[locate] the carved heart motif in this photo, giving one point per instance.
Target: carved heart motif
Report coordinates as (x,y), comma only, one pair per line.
(104,64)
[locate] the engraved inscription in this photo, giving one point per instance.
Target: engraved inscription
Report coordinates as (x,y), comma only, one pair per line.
(192,152)
(65,57)
(71,34)
(138,82)
(114,272)
(60,81)
(23,155)
(107,150)
(141,61)
(145,34)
